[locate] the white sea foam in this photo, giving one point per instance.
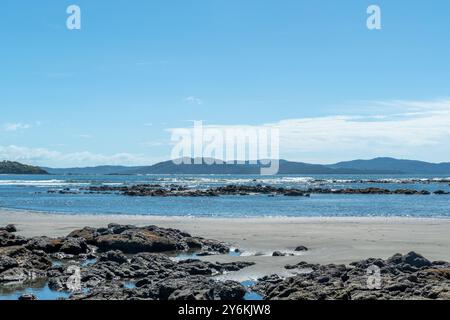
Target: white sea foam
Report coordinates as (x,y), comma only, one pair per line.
(39,183)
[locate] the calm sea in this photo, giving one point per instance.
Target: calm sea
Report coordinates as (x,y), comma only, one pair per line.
(30,192)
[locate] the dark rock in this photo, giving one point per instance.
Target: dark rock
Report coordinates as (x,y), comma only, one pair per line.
(28,259)
(294,193)
(48,245)
(7,263)
(87,233)
(115,256)
(323,279)
(441,192)
(395,259)
(416,260)
(206,253)
(19,274)
(9,228)
(406,277)
(301,248)
(131,239)
(8,239)
(74,246)
(135,242)
(193,243)
(27,297)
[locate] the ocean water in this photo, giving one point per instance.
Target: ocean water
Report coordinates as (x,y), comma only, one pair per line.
(39,289)
(30,192)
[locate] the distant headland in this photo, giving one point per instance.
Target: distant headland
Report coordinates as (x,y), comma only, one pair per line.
(10,167)
(373,166)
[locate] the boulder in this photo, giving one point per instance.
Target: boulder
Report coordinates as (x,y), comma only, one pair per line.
(229,290)
(27,297)
(193,243)
(135,241)
(48,245)
(74,246)
(301,248)
(86,233)
(9,228)
(15,275)
(115,256)
(294,193)
(416,260)
(7,263)
(8,239)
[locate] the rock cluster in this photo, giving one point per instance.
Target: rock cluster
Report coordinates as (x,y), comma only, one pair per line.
(108,259)
(409,276)
(151,190)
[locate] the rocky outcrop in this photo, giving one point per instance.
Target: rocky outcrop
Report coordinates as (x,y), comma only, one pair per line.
(149,190)
(9,228)
(10,239)
(409,276)
(131,239)
(108,270)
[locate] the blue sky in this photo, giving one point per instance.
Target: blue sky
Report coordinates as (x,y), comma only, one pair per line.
(111,92)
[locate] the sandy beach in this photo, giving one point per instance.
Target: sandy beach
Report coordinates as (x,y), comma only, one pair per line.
(329,240)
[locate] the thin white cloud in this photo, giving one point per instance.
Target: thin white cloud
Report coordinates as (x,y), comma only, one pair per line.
(15,126)
(442,104)
(193,100)
(45,157)
(85,136)
(421,131)
(151,144)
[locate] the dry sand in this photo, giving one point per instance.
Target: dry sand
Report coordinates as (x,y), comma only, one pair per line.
(330,240)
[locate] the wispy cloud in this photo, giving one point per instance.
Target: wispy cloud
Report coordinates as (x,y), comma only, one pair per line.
(16,126)
(417,129)
(84,136)
(45,157)
(433,105)
(152,144)
(193,100)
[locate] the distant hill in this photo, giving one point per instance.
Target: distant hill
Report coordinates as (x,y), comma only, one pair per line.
(404,166)
(374,166)
(10,167)
(285,167)
(100,170)
(169,167)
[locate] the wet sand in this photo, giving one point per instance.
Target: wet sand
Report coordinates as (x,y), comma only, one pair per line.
(329,240)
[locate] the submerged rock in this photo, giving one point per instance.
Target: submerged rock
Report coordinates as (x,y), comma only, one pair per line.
(27,297)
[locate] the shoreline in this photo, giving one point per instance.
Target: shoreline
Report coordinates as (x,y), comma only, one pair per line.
(339,240)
